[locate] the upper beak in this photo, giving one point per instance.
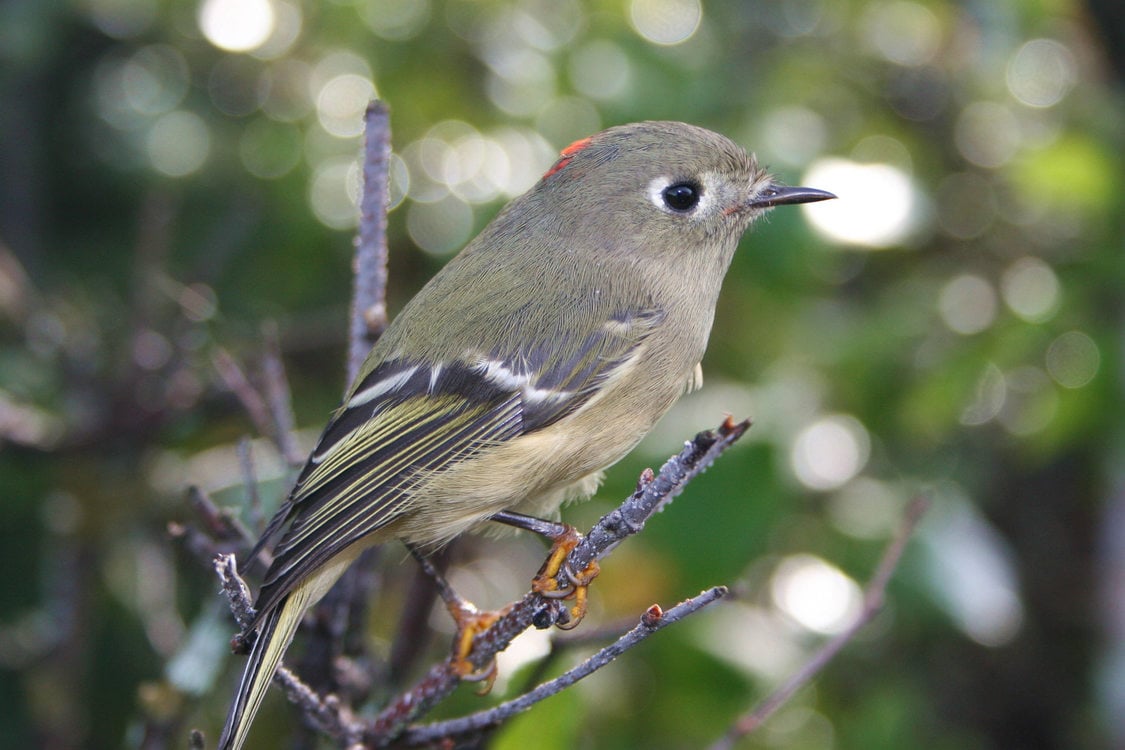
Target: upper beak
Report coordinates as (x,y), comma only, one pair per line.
(779,195)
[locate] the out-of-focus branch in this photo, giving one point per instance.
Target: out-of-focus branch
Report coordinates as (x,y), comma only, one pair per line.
(279,399)
(271,412)
(239,383)
(873,598)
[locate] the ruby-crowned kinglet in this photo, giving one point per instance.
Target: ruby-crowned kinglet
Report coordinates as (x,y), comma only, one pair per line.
(537,357)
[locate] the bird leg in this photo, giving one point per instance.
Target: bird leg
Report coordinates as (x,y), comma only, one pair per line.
(564,538)
(470,622)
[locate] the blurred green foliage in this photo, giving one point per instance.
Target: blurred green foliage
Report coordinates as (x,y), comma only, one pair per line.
(174,176)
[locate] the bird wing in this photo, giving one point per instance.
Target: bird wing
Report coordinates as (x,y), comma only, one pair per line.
(405,418)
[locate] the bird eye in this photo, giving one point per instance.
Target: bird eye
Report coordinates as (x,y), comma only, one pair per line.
(681,196)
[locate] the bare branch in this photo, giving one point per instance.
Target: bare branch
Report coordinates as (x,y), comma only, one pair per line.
(873,598)
(279,399)
(653,493)
(250,482)
(221,529)
(329,715)
(235,378)
(271,413)
(653,620)
(339,616)
(369,310)
(235,589)
(219,523)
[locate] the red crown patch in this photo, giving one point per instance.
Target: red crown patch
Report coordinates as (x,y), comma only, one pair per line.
(567,154)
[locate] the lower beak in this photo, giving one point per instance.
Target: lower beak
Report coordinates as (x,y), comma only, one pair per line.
(778,195)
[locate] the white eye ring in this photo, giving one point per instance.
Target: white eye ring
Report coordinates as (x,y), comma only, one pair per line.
(657,194)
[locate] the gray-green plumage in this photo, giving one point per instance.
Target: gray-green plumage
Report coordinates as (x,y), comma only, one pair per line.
(538,356)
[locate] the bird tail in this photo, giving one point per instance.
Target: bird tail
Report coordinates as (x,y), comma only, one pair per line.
(274,636)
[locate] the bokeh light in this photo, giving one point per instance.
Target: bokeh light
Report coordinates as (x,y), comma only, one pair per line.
(1030,289)
(988,398)
(600,69)
(568,118)
(440,227)
(815,594)
(829,452)
(967,304)
(988,134)
(396,20)
(236,25)
(178,143)
(793,135)
(878,206)
(1073,359)
(287,85)
(756,639)
(341,102)
(905,33)
(155,79)
(523,80)
(288,24)
(340,85)
(1041,73)
(546,25)
(665,22)
(334,192)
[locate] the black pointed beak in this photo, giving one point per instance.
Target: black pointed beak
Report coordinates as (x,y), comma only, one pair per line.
(779,195)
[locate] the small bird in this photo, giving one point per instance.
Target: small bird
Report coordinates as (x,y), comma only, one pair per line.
(540,355)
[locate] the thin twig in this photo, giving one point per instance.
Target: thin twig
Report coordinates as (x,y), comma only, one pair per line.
(369,310)
(651,497)
(653,620)
(329,715)
(235,589)
(873,598)
(250,482)
(279,399)
(235,378)
(597,635)
(340,616)
(653,493)
(272,413)
(221,524)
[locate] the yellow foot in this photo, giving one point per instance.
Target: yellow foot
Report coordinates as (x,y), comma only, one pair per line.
(471,622)
(546,582)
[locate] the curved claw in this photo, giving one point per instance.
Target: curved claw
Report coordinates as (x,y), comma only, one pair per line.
(546,582)
(465,672)
(470,624)
(579,588)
